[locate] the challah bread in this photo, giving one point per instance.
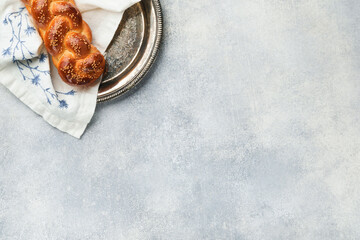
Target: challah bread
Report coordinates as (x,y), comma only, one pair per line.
(67,39)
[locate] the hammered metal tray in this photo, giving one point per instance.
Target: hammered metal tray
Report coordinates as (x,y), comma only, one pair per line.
(133,50)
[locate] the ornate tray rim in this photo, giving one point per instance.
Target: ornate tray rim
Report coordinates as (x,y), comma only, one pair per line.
(137,79)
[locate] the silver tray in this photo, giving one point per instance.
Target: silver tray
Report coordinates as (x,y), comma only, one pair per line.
(133,50)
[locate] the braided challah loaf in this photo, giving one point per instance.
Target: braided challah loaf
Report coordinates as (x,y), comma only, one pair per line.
(67,38)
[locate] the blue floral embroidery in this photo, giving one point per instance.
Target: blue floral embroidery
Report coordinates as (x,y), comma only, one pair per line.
(29,30)
(26,66)
(36,80)
(42,57)
(6,52)
(63,104)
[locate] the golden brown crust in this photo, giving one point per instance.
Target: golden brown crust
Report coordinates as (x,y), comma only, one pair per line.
(55,35)
(41,12)
(78,44)
(68,40)
(69,10)
(81,72)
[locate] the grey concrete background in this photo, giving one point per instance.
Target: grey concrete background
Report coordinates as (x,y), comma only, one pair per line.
(247,128)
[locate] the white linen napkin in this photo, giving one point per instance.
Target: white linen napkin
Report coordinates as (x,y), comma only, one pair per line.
(25,68)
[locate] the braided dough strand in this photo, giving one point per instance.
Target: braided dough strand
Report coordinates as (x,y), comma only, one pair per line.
(68,39)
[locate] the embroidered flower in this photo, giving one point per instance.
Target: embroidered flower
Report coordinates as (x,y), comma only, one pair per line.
(42,57)
(6,51)
(35,80)
(71,93)
(30,30)
(63,104)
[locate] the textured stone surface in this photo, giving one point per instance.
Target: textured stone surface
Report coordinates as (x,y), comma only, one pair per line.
(247,128)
